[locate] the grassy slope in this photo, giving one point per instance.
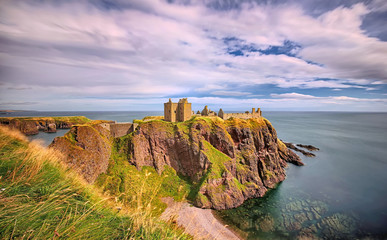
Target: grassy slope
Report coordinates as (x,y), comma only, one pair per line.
(140,189)
(41,199)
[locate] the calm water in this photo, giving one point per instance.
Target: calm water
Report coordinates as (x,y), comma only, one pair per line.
(341,193)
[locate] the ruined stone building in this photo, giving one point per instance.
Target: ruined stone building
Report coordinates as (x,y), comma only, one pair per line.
(246,115)
(177,112)
(181,111)
(207,112)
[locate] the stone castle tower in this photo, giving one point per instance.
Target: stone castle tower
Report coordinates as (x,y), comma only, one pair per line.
(177,112)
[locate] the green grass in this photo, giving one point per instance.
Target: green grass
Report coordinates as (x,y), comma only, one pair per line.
(148,118)
(215,171)
(42,199)
(217,158)
(144,187)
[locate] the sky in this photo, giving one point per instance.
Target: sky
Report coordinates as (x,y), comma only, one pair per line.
(296,55)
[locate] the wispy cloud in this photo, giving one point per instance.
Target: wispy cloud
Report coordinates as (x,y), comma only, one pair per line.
(338,99)
(153,48)
(18,103)
(230,93)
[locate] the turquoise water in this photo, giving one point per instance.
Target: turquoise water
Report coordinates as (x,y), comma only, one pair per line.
(339,194)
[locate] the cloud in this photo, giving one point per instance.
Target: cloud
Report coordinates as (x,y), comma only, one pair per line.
(19,88)
(152,48)
(293,101)
(293,96)
(18,103)
(336,99)
(230,93)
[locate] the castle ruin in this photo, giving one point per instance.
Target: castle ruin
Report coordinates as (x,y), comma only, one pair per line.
(246,115)
(207,112)
(181,111)
(177,112)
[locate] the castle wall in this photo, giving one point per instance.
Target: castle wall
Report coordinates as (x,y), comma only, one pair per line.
(120,129)
(170,111)
(253,114)
(184,112)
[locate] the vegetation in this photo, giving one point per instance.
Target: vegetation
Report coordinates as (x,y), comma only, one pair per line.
(143,188)
(148,118)
(216,157)
(42,199)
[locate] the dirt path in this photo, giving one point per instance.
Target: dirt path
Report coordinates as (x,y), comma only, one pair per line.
(198,222)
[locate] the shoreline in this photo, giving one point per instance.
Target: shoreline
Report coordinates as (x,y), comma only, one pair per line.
(239,233)
(198,222)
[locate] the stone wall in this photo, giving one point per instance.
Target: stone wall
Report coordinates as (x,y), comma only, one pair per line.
(119,129)
(170,111)
(184,110)
(246,115)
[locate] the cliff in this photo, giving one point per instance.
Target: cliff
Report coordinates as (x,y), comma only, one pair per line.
(227,161)
(224,162)
(32,125)
(86,149)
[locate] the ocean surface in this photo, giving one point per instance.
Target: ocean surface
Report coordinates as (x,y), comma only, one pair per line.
(339,194)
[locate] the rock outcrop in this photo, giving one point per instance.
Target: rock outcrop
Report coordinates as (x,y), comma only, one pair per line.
(32,125)
(305,153)
(227,161)
(86,148)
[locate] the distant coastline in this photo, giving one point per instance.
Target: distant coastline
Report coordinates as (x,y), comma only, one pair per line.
(12,111)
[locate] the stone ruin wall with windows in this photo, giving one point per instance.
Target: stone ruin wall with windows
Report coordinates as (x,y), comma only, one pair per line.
(182,111)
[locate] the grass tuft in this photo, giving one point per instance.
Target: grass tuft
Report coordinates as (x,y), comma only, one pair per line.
(42,199)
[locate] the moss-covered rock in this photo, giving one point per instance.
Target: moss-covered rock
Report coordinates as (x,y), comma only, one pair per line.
(226,161)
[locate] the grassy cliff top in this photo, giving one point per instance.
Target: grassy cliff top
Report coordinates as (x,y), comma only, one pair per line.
(40,198)
(207,120)
(149,118)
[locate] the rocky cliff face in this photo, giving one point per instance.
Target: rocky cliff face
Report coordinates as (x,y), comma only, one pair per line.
(86,148)
(228,161)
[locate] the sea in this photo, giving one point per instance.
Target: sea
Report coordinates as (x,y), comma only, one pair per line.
(339,194)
